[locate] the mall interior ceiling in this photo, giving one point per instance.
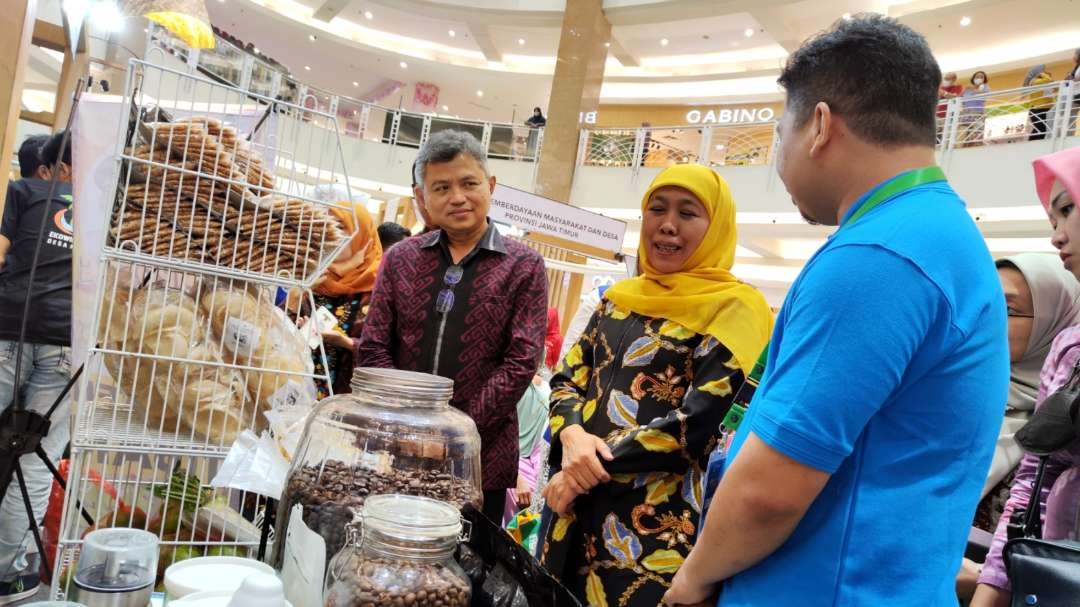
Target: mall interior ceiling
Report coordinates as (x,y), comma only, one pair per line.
(679,81)
(661,51)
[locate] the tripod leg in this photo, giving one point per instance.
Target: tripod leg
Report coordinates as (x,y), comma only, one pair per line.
(63,393)
(269,509)
(44,457)
(33,523)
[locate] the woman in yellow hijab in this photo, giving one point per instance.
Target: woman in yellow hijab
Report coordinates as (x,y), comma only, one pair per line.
(637,403)
(345,290)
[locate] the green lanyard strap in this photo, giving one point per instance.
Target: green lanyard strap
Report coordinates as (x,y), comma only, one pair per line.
(891,189)
(895,186)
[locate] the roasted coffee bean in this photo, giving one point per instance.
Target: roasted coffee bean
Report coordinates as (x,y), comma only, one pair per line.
(388,582)
(330,492)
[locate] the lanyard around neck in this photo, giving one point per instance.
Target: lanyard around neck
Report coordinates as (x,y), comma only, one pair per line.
(889,190)
(896,186)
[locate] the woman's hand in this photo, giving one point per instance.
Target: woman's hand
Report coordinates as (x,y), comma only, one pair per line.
(523,494)
(579,459)
(967,579)
(685,592)
(990,596)
(333,338)
(560,493)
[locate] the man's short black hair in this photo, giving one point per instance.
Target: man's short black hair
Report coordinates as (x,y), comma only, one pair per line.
(30,155)
(875,73)
(51,151)
(391,233)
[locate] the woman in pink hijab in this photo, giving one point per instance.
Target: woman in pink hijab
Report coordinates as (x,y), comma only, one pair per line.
(1057,181)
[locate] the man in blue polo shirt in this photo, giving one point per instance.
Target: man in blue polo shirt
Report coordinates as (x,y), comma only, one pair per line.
(854,476)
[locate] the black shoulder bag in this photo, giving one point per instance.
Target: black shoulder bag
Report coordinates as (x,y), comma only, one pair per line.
(1045,572)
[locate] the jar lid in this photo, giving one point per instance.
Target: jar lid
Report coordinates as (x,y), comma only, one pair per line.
(411,517)
(404,384)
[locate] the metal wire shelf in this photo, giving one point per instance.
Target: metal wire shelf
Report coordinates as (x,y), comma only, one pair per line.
(185,360)
(166,495)
(206,275)
(208,175)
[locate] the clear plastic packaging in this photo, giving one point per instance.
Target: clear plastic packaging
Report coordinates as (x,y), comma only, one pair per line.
(400,552)
(396,433)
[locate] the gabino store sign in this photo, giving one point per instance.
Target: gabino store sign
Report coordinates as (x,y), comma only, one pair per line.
(703,116)
(730,116)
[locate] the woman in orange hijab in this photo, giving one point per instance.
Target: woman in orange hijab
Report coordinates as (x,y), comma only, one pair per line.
(345,290)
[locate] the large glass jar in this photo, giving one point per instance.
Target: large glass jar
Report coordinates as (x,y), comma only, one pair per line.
(400,552)
(396,433)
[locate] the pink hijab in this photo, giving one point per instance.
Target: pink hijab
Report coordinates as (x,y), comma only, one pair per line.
(1063,166)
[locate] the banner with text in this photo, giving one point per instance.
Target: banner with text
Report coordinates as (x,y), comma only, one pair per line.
(533,213)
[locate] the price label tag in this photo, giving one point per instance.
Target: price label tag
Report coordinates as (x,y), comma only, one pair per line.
(241,336)
(291,395)
(303,572)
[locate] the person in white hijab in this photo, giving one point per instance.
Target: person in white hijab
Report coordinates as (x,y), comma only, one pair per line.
(1054,306)
(1043,299)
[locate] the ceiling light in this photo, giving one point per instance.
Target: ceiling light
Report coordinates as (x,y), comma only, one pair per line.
(719,147)
(307,67)
(403,65)
(355,83)
(663,42)
(445,108)
(106,15)
(607,45)
(846,16)
(452,33)
(965,21)
(521,42)
(479,93)
(312,37)
(368,15)
(748,32)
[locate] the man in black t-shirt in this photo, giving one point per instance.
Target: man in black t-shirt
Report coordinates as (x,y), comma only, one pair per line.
(46,354)
(30,162)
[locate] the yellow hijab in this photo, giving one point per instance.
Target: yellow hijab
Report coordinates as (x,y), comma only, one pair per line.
(704,296)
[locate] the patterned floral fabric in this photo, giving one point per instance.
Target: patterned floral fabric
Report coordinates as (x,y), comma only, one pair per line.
(350,312)
(656,392)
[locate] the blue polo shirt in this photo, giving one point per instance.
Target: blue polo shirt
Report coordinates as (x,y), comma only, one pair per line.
(889,370)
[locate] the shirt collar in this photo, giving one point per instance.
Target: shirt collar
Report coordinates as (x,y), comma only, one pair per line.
(492,240)
(866,196)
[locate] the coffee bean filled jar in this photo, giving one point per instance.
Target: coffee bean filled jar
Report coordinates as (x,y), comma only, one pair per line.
(401,553)
(396,433)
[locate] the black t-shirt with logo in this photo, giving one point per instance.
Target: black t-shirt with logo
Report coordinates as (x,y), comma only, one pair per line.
(50,306)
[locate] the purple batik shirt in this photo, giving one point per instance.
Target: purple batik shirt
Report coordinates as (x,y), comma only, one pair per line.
(489,343)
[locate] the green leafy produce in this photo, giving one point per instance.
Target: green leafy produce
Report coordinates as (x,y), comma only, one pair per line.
(226,551)
(185,489)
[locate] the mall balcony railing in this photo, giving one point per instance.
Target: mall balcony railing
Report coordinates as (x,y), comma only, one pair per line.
(720,145)
(358,119)
(1046,112)
(1034,113)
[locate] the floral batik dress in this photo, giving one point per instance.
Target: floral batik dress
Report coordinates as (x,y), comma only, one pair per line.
(349,312)
(656,392)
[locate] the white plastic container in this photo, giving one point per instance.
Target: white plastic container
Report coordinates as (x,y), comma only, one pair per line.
(210,573)
(257,590)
